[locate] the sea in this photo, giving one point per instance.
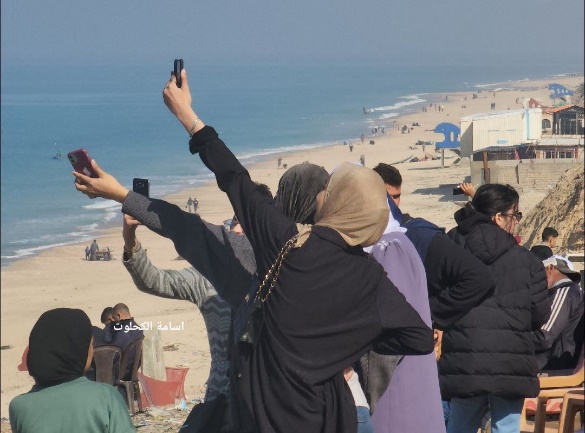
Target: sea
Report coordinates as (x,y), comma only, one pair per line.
(117,114)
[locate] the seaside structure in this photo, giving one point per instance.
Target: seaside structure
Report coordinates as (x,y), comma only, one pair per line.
(565,120)
(500,128)
(508,146)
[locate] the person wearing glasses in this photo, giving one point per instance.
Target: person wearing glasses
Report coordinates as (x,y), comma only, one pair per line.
(488,359)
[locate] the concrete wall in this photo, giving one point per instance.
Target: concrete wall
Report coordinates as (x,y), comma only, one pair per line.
(533,174)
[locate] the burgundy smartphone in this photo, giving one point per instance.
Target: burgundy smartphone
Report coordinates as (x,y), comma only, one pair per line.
(81,162)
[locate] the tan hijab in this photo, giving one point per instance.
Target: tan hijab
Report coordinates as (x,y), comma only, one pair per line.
(355,205)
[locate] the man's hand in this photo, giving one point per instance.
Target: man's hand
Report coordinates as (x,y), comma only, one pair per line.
(467,189)
(178,100)
(105,185)
(129,233)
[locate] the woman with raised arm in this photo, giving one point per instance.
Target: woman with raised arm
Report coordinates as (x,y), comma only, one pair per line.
(322,303)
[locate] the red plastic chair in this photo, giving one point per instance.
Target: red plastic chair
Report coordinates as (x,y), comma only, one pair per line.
(158,392)
(178,374)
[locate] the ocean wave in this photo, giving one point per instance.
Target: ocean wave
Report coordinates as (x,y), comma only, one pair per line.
(410,100)
(283,149)
(86,228)
(25,252)
(101,205)
(388,116)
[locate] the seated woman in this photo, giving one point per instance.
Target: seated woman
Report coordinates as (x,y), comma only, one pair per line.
(62,399)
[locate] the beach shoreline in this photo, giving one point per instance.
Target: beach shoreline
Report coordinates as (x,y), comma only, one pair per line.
(61,277)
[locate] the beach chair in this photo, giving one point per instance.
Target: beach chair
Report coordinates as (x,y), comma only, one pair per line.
(159,392)
(131,386)
(107,360)
(554,385)
(573,402)
(178,374)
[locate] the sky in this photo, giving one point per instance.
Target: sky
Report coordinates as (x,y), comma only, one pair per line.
(311,31)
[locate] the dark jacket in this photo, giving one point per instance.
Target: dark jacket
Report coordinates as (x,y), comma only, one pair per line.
(330,305)
(490,349)
(456,280)
(554,342)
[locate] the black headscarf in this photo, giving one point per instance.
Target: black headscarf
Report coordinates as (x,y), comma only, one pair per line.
(58,346)
(297,190)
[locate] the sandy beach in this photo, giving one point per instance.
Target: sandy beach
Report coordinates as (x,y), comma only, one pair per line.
(61,277)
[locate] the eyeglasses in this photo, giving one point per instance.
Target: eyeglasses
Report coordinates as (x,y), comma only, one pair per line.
(517,215)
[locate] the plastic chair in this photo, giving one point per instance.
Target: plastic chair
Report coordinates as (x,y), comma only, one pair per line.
(131,386)
(158,392)
(107,360)
(178,374)
(554,386)
(573,402)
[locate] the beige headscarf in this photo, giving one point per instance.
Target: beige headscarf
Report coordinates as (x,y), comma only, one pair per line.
(355,205)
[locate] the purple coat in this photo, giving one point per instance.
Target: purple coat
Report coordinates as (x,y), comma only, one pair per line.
(412,401)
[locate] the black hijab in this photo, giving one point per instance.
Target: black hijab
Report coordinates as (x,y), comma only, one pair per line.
(58,346)
(297,190)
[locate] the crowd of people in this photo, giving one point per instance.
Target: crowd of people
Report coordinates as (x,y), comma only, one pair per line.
(330,310)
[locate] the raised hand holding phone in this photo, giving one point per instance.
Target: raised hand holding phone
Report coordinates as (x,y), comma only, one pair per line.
(102,185)
(179,101)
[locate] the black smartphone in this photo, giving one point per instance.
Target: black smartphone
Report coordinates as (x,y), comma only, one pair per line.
(81,162)
(141,186)
(177,71)
(457,191)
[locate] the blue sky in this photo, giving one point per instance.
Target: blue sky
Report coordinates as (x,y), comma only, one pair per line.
(313,31)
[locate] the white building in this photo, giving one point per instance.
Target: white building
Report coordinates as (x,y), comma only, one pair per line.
(500,128)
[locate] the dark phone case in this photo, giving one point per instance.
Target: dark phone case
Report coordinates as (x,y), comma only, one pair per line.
(177,69)
(81,162)
(141,186)
(457,191)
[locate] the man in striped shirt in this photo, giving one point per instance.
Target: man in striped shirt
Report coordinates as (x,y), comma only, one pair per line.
(555,343)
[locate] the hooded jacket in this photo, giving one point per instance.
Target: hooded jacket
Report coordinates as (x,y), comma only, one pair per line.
(490,349)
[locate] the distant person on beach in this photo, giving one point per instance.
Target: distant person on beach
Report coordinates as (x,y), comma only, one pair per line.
(487,356)
(195,205)
(555,343)
(87,251)
(316,282)
(93,250)
(279,162)
(190,205)
(362,138)
(62,399)
(351,147)
(363,160)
